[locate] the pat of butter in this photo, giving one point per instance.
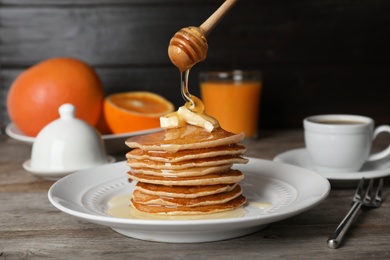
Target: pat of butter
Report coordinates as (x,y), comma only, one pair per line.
(185,116)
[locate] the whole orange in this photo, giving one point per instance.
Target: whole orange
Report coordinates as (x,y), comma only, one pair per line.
(135,111)
(37,93)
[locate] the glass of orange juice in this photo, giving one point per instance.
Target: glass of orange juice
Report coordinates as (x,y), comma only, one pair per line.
(233,98)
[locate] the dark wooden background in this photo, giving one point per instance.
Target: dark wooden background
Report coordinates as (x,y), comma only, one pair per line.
(319,56)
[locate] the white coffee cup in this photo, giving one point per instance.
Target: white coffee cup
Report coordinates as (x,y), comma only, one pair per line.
(342,143)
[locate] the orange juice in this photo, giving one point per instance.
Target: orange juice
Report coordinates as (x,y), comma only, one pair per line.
(233,100)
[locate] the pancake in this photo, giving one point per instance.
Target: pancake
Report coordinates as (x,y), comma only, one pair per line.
(183,210)
(183,191)
(183,138)
(186,171)
(227,177)
(191,154)
(205,162)
(194,171)
(220,198)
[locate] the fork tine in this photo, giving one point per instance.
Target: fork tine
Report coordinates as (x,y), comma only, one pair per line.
(359,190)
(378,193)
(368,197)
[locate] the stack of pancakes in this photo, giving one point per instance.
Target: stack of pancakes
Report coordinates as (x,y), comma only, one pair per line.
(187,170)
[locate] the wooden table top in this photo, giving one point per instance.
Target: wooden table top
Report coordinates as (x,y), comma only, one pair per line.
(30,227)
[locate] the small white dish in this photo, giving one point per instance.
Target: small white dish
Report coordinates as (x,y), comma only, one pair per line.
(53,175)
(66,145)
(12,131)
(300,157)
(114,143)
(265,181)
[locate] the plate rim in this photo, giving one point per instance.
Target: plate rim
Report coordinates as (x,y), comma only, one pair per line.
(12,131)
(283,214)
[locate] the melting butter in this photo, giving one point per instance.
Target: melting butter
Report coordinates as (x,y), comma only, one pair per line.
(185,116)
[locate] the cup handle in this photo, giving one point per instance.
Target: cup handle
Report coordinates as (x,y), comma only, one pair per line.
(384,153)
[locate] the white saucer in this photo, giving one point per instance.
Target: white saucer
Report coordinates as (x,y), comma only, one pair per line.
(265,182)
(54,175)
(301,158)
(114,143)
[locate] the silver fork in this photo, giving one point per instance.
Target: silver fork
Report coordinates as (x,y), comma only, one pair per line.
(369,200)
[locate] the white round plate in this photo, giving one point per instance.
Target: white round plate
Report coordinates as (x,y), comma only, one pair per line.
(114,143)
(300,157)
(53,175)
(290,190)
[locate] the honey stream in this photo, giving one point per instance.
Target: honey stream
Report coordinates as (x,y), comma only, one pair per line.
(193,103)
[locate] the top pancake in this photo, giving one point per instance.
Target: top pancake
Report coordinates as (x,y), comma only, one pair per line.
(183,138)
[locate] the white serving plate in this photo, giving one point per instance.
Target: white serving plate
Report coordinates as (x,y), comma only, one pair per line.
(291,190)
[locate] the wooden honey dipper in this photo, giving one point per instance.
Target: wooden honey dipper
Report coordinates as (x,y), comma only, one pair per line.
(189,45)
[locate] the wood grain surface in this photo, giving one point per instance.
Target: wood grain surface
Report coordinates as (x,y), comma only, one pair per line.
(31,228)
